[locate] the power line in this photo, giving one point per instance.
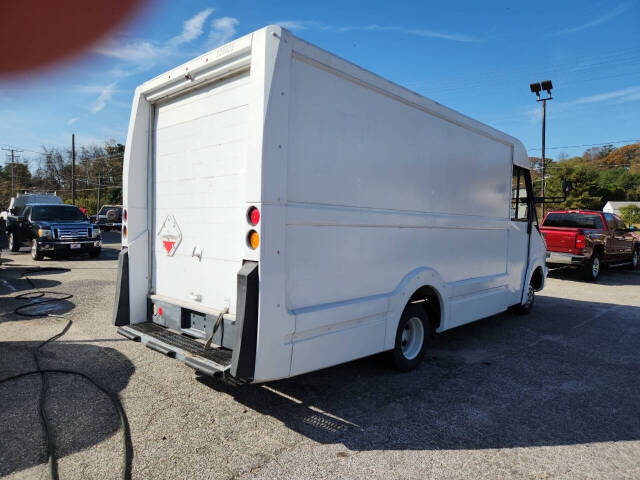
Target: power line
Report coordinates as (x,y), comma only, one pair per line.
(615,142)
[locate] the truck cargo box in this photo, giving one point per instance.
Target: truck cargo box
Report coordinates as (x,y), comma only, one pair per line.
(284,206)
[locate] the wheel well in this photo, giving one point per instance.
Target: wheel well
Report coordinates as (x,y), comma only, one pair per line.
(537,279)
(429,298)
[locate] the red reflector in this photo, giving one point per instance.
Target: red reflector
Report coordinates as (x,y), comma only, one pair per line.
(168,245)
(254,215)
(125,215)
(160,311)
(580,240)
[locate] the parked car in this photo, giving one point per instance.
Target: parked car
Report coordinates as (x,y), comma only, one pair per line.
(108,218)
(588,239)
(54,229)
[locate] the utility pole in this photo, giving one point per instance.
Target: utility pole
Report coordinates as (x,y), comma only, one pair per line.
(13,160)
(99,186)
(73,168)
(537,88)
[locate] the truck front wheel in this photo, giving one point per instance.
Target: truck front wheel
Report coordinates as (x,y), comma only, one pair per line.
(525,308)
(13,245)
(414,330)
(36,254)
(635,259)
(591,269)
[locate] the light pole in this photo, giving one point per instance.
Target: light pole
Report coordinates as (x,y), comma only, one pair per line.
(537,88)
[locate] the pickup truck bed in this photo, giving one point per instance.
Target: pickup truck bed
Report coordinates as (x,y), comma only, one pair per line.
(588,239)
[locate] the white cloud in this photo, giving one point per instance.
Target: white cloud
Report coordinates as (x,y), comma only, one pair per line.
(192,28)
(223,29)
(136,51)
(105,94)
(143,51)
(630,94)
(420,32)
(302,25)
(616,12)
(417,32)
(73,120)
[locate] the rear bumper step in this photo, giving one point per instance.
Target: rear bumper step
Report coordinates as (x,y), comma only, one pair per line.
(170,343)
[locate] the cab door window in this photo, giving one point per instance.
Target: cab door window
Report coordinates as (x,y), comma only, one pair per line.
(611,222)
(620,223)
(519,195)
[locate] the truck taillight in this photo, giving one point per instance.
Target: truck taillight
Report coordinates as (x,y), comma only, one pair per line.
(253,215)
(580,241)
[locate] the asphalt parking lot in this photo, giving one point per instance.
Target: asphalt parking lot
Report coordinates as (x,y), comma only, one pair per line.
(555,394)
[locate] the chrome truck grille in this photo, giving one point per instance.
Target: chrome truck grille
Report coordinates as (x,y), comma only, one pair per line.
(63,233)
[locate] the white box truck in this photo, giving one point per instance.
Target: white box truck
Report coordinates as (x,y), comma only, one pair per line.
(286,210)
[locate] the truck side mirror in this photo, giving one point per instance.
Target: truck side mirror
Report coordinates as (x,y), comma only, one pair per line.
(13,211)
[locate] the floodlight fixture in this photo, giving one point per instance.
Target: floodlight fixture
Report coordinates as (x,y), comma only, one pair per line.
(536,88)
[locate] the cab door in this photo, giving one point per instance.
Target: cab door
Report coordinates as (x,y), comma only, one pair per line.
(520,224)
(22,234)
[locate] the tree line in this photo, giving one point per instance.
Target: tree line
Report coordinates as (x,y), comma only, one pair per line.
(600,175)
(98,175)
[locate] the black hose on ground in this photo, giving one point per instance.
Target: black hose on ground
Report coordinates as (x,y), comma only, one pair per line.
(23,310)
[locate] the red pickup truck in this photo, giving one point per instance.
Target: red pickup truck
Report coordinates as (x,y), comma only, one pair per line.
(588,239)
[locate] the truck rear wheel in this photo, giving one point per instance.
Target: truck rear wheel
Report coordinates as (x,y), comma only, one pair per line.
(13,246)
(414,330)
(591,269)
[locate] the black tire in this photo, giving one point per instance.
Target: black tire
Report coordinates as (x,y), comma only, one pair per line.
(36,254)
(95,252)
(591,269)
(409,347)
(635,259)
(13,246)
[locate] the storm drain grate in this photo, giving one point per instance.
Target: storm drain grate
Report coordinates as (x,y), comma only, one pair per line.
(217,355)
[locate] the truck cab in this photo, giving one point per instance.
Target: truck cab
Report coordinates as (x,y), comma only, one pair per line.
(54,229)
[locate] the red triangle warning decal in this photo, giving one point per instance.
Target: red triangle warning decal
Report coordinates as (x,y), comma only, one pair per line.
(170,235)
(168,246)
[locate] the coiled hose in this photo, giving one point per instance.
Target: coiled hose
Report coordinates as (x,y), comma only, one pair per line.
(38,297)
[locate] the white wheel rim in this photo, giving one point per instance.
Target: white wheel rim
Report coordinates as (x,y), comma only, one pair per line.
(11,241)
(34,247)
(530,296)
(595,268)
(635,258)
(412,338)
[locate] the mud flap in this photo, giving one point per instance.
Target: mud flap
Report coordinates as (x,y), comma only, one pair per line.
(121,305)
(244,351)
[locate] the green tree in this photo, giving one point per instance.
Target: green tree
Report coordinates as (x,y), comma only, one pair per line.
(630,214)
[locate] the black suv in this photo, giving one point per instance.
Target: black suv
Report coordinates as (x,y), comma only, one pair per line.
(54,229)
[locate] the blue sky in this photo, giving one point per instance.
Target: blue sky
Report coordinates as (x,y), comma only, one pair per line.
(475,57)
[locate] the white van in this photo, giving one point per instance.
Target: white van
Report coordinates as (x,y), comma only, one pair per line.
(286,210)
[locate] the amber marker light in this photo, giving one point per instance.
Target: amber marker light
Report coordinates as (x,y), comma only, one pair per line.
(253,239)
